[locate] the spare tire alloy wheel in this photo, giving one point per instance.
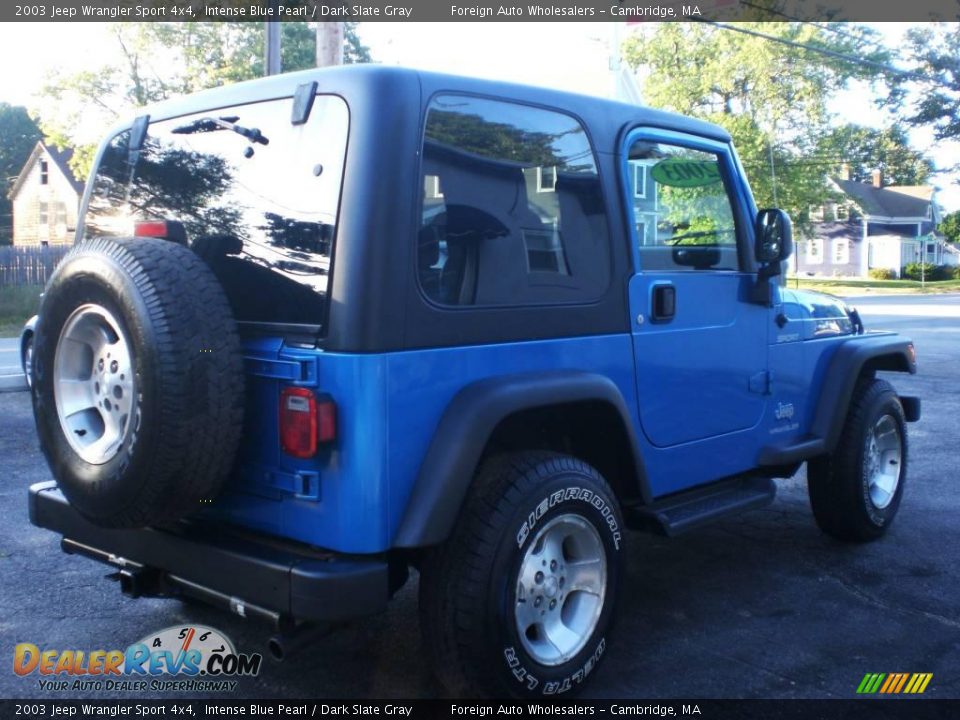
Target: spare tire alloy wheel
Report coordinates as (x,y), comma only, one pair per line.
(138,381)
(94,386)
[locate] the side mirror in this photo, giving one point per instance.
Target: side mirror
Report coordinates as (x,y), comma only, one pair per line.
(774,233)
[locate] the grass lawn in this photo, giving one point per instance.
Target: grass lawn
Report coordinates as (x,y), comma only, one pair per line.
(17,304)
(855,286)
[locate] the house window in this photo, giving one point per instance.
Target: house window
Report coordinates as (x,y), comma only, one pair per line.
(44,213)
(931,248)
(816,212)
(61,213)
(842,213)
(841,252)
(547,179)
(640,181)
(814,251)
(44,172)
(544,251)
(431,187)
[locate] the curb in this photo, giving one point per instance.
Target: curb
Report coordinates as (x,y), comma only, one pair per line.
(12,383)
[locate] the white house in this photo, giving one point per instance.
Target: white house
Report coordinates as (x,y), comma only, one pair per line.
(873,226)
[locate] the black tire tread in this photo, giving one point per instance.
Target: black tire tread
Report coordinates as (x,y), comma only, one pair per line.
(833,480)
(453,575)
(199,377)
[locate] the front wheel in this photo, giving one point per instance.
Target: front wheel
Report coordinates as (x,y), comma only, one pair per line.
(855,492)
(519,600)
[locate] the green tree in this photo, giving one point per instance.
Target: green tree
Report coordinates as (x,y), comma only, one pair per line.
(162,60)
(864,150)
(772,97)
(950,227)
(18,135)
(931,88)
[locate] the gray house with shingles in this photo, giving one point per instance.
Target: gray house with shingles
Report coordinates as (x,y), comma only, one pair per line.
(873,226)
(46,197)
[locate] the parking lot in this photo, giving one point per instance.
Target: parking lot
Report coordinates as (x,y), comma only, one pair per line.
(759,606)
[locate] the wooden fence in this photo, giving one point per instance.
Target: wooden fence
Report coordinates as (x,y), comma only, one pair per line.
(21,266)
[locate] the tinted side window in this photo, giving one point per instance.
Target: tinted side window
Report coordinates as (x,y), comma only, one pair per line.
(681,209)
(262,213)
(512,206)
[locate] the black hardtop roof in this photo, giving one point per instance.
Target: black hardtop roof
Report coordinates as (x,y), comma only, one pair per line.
(363,79)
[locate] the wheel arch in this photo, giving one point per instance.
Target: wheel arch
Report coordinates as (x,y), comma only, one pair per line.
(511,411)
(853,360)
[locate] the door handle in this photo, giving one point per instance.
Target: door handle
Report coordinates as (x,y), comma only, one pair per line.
(664,303)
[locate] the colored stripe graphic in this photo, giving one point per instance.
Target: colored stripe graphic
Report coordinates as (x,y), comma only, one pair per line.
(894,683)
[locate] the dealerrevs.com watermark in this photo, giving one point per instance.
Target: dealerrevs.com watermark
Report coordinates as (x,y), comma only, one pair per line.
(190,658)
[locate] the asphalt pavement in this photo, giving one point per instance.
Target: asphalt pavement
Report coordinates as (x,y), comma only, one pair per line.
(761,606)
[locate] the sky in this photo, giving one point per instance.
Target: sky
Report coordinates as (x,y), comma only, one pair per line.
(570,56)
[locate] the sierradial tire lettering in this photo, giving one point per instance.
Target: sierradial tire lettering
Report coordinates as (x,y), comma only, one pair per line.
(555,687)
(570,493)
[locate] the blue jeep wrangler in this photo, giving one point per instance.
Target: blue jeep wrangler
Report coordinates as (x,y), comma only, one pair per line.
(321,328)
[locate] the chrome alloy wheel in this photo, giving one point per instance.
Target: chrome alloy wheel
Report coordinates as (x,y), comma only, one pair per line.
(560,589)
(28,362)
(882,461)
(93,384)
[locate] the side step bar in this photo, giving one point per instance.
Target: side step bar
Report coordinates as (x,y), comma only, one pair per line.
(692,509)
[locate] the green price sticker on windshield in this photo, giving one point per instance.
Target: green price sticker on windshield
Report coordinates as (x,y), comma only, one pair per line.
(680,172)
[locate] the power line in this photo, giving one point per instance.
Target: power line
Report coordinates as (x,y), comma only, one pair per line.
(883,67)
(819,26)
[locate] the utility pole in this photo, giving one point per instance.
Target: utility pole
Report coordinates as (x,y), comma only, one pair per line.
(329,44)
(272,58)
(271,30)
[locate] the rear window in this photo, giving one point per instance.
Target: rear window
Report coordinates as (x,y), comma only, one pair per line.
(257,197)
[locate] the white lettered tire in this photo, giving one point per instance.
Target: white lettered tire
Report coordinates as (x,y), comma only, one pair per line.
(519,601)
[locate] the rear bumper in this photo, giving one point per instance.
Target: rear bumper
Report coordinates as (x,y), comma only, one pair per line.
(250,575)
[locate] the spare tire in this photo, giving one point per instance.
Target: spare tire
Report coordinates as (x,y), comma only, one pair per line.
(138,381)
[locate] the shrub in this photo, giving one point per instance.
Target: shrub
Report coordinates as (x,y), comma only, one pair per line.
(882,274)
(929,271)
(17,304)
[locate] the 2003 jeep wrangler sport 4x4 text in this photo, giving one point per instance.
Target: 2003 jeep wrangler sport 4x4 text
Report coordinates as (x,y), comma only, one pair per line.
(320,328)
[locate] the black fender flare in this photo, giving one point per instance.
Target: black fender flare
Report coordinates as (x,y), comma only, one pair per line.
(471,417)
(878,352)
(863,352)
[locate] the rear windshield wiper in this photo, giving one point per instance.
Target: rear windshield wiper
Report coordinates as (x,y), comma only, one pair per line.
(212,124)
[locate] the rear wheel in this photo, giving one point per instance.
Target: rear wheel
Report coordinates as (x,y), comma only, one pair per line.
(138,381)
(855,492)
(519,600)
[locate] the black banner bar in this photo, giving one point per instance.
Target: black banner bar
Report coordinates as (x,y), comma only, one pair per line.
(194,709)
(476,10)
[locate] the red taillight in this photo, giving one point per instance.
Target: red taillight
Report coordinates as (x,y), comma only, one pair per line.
(327,416)
(305,422)
(153,228)
(163,229)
